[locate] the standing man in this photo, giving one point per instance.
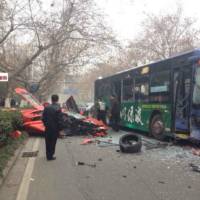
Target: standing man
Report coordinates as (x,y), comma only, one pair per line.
(114,113)
(51,119)
(101,110)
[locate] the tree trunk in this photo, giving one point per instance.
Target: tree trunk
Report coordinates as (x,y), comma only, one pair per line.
(8,95)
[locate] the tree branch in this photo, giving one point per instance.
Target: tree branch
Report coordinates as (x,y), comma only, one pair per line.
(7,34)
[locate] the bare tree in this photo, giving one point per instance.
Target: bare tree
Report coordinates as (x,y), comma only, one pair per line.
(55,40)
(163,36)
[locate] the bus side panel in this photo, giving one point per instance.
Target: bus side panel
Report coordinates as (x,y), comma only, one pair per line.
(138,115)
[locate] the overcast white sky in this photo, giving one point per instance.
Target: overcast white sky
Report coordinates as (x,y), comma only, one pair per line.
(125,16)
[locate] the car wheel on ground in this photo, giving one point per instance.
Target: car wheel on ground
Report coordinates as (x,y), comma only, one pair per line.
(130,143)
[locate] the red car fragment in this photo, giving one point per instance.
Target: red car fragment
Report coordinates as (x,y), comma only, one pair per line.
(33,123)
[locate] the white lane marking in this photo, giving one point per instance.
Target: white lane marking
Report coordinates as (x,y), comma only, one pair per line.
(24,186)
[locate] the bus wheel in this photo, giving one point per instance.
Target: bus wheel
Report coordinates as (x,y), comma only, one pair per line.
(157,127)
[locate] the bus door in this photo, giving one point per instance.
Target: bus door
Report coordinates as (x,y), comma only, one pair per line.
(181,98)
(117,90)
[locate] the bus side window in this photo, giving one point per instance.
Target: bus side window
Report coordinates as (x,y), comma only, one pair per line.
(159,87)
(141,89)
(127,89)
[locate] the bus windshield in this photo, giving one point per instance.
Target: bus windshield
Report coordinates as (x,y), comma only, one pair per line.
(196,94)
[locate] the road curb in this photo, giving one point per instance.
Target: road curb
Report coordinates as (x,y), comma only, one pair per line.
(11,162)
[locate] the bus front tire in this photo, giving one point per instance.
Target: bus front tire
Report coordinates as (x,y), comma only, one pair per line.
(157,127)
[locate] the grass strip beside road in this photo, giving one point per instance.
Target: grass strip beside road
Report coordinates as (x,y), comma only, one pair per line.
(8,150)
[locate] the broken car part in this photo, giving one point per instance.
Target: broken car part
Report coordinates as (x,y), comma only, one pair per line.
(130,143)
(83,163)
(194,167)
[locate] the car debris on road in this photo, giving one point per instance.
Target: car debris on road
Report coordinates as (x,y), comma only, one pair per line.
(73,123)
(83,163)
(196,152)
(194,167)
(130,143)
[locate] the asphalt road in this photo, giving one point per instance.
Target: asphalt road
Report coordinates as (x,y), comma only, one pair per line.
(161,173)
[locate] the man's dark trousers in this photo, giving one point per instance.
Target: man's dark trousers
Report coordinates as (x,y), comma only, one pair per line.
(50,140)
(114,122)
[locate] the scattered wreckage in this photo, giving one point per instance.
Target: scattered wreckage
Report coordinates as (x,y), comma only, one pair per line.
(73,123)
(76,124)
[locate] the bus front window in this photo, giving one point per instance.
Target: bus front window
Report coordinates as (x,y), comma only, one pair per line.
(196,93)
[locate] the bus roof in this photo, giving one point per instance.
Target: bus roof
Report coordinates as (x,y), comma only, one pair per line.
(193,52)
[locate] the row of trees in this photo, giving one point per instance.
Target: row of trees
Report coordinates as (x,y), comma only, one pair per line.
(38,44)
(45,44)
(161,36)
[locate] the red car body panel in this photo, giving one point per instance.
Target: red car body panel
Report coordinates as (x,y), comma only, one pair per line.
(29,98)
(35,126)
(31,116)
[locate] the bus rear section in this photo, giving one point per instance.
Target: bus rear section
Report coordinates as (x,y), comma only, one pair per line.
(161,98)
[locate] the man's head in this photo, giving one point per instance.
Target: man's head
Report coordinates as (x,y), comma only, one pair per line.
(54,98)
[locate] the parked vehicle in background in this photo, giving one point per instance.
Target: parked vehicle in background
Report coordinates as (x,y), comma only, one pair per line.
(87,109)
(162,98)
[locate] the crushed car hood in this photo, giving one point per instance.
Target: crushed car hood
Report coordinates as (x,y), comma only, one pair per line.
(29,98)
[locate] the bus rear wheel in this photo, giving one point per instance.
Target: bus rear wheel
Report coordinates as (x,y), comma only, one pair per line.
(157,127)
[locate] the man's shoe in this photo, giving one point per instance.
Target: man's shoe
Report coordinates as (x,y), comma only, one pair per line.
(53,158)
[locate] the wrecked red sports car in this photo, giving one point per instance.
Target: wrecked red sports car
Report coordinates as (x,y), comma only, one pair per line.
(73,123)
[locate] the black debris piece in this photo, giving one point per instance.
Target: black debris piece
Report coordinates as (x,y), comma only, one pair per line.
(130,143)
(80,163)
(83,163)
(71,105)
(76,124)
(194,167)
(161,182)
(73,123)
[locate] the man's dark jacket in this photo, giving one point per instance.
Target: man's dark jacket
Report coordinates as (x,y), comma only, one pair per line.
(52,118)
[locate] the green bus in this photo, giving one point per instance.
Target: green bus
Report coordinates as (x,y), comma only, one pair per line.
(161,98)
